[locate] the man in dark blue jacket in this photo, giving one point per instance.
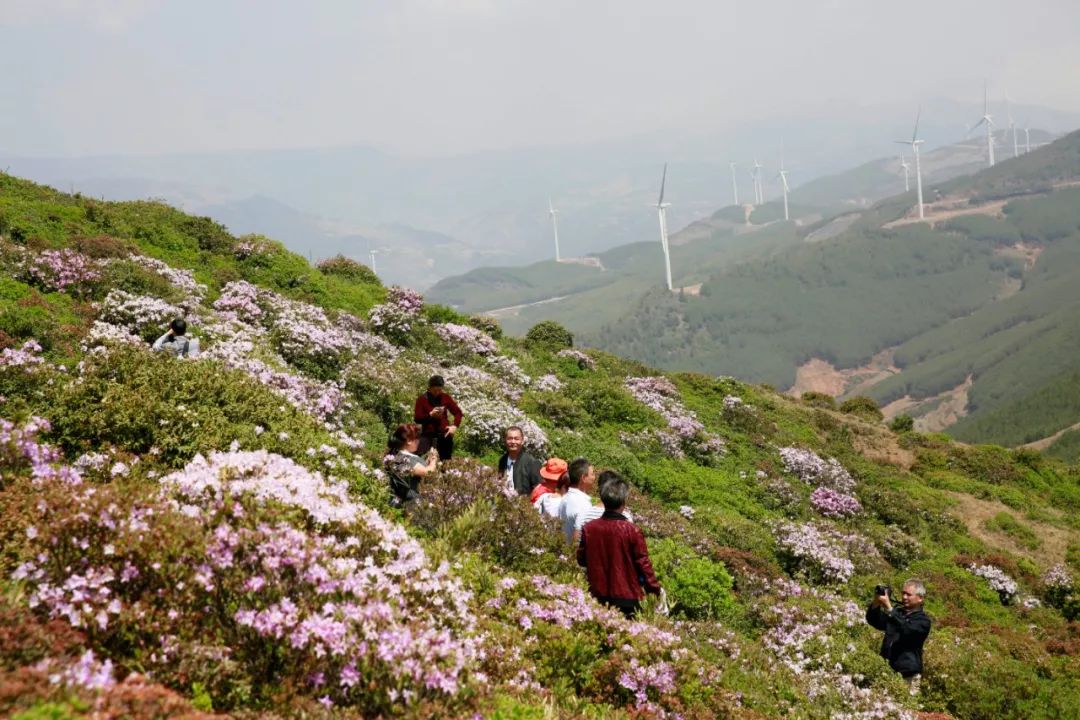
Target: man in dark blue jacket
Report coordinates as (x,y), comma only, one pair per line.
(906,629)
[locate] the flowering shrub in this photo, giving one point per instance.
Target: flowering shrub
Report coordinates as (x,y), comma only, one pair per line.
(240,299)
(509,371)
(28,357)
(183,280)
(1002,584)
(486,419)
(63,270)
(583,361)
(549,383)
(686,431)
(469,505)
(22,453)
(812,470)
(570,639)
(146,317)
(465,338)
(394,319)
(831,503)
(816,553)
(350,609)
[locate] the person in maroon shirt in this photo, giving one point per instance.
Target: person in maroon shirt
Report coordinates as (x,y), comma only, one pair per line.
(613,552)
(433,412)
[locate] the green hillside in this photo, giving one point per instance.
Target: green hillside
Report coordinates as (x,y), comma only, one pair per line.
(214,535)
(986,296)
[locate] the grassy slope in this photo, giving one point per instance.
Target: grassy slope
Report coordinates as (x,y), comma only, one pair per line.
(733,507)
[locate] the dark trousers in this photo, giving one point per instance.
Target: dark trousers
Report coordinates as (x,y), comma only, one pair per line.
(445,445)
(629,608)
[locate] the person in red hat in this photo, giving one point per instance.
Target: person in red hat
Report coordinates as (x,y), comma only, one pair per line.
(555,482)
(517,466)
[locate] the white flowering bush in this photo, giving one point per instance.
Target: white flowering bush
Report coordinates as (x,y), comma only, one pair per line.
(814,552)
(141,315)
(999,581)
(809,467)
(465,338)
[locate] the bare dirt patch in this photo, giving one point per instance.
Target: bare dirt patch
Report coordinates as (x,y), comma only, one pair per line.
(817,375)
(941,410)
(974,512)
(883,447)
(690,289)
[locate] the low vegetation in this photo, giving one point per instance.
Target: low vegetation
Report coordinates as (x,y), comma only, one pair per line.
(214,535)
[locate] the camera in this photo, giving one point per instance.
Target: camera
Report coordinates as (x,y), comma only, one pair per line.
(881,590)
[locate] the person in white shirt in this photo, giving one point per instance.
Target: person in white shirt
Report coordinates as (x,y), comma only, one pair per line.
(576,502)
(176,342)
(550,501)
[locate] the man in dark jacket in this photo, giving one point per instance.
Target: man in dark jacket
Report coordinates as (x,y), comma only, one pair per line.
(906,629)
(613,553)
(433,411)
(521,469)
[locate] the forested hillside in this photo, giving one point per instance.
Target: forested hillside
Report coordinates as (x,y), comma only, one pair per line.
(188,537)
(985,291)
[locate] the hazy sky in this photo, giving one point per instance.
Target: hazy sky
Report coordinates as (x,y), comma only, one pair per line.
(443,76)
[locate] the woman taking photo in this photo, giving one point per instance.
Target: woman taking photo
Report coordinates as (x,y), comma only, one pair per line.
(404,466)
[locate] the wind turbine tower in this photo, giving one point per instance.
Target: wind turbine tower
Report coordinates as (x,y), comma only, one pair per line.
(915,142)
(904,166)
(371,254)
(734,185)
(759,190)
(783,181)
(555,228)
(1027,138)
(661,209)
(988,121)
(1012,127)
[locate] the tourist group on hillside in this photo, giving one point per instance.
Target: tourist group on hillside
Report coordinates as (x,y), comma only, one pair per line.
(609,546)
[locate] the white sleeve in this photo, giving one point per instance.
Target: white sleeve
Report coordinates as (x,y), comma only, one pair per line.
(193,347)
(159,344)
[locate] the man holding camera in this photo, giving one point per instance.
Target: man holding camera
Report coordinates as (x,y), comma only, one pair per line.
(906,629)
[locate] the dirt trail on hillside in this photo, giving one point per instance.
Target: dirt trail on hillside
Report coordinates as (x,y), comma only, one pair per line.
(512,310)
(1050,440)
(952,206)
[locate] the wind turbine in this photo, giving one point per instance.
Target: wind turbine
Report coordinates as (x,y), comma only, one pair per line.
(915,142)
(1012,125)
(372,253)
(1027,138)
(555,227)
(987,120)
(661,209)
(759,189)
(734,185)
(783,181)
(904,166)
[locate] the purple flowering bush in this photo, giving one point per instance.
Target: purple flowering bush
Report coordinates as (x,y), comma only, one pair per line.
(267,571)
(395,318)
(818,553)
(686,434)
(569,639)
(833,504)
(809,467)
(63,271)
(467,339)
